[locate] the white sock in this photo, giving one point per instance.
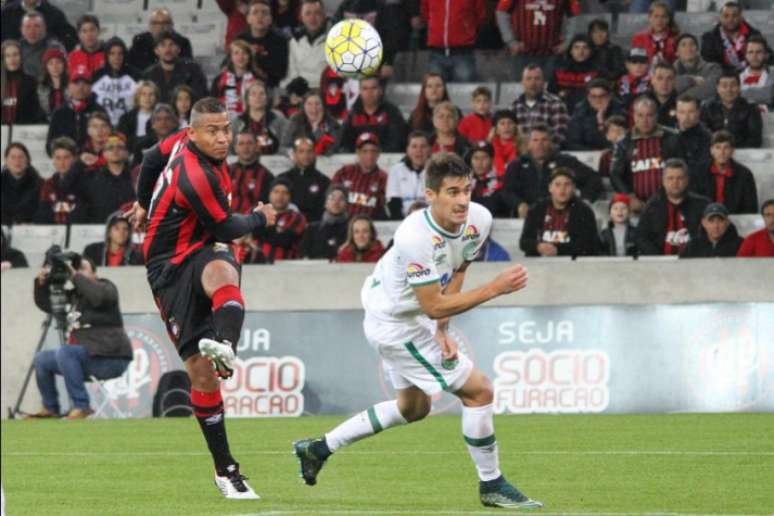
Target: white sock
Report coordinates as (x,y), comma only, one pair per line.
(369,422)
(478,431)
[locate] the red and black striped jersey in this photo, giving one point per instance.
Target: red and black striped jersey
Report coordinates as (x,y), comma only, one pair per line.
(538,23)
(282,241)
(365,190)
(190,197)
(249,186)
(647,166)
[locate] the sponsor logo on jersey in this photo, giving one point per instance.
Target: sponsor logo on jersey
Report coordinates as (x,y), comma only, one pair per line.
(645,164)
(438,242)
(471,233)
(417,271)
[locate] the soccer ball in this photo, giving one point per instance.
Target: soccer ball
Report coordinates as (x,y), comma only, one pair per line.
(353,49)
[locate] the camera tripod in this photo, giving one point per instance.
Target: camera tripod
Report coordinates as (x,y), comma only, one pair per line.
(59,319)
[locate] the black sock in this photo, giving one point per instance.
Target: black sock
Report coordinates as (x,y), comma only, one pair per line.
(320,449)
(208,409)
(228,313)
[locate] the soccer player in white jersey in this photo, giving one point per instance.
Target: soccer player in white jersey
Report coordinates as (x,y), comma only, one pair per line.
(414,290)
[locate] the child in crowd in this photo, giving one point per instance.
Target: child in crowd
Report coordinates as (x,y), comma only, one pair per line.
(615,131)
(637,79)
(476,126)
(182,102)
(504,136)
(618,238)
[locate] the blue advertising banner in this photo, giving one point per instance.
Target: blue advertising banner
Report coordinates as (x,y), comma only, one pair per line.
(590,359)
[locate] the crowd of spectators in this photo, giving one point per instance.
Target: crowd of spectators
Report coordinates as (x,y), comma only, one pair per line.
(666,113)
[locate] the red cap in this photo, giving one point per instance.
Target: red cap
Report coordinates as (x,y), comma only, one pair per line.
(620,198)
(52,53)
(81,73)
(366,138)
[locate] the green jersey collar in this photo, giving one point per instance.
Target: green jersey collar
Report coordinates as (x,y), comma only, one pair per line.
(435,227)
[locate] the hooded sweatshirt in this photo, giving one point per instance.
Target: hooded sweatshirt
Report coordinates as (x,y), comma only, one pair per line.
(99,252)
(115,89)
(570,77)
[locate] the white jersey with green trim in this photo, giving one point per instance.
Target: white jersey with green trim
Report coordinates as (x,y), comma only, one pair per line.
(422,253)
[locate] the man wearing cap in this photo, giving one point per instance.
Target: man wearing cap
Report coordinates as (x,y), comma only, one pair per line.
(172,70)
(527,177)
(717,237)
(672,217)
(105,190)
(560,224)
(142,55)
(487,184)
(72,118)
(725,180)
(406,179)
(307,184)
(365,182)
(761,242)
(586,131)
(372,114)
(282,240)
(637,79)
(639,158)
(34,42)
(250,181)
(619,237)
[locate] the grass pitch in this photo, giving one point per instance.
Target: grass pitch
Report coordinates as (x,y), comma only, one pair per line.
(719,463)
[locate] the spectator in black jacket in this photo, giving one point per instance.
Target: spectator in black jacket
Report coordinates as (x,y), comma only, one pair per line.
(173,70)
(19,89)
(662,90)
(270,49)
(619,238)
(725,180)
(717,237)
(20,186)
(57,195)
(694,137)
(73,117)
(487,186)
(98,344)
(323,238)
(372,114)
(727,41)
(308,185)
(142,55)
(586,130)
(527,177)
(116,250)
(103,191)
(573,70)
(163,122)
(608,57)
(10,258)
(729,110)
(56,21)
(560,224)
(639,158)
(672,216)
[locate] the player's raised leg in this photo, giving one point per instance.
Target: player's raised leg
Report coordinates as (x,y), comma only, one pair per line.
(479,434)
(411,405)
(220,281)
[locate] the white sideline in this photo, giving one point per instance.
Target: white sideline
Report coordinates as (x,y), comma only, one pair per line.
(414,452)
(498,512)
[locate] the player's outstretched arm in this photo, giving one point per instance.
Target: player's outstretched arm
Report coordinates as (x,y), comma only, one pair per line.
(437,305)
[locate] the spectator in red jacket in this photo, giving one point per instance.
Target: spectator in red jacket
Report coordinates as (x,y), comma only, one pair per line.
(505,140)
(433,92)
(533,31)
(236,12)
(452,28)
(88,56)
(660,37)
(362,245)
(365,182)
(761,243)
(237,74)
(475,127)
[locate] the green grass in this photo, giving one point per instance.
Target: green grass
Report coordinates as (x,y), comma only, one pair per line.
(720,463)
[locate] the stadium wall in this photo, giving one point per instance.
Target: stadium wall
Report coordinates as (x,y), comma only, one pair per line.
(334,289)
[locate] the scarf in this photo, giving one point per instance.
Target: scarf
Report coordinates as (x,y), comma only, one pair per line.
(751,79)
(720,181)
(734,48)
(504,153)
(487,185)
(78,106)
(630,85)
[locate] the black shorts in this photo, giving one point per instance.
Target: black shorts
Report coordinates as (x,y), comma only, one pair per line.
(185,308)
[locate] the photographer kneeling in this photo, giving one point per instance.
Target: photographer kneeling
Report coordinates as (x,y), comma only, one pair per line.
(97,344)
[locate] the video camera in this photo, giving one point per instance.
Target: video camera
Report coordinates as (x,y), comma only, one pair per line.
(57,260)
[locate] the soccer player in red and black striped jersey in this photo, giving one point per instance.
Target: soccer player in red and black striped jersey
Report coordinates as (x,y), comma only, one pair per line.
(192,273)
(638,159)
(533,28)
(249,179)
(365,182)
(282,241)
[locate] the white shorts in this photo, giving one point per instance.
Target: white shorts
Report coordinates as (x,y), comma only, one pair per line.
(411,355)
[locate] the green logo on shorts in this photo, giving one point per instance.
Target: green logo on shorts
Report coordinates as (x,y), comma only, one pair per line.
(449,364)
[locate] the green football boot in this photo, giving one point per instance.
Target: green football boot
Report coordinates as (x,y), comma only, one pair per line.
(503,494)
(311,462)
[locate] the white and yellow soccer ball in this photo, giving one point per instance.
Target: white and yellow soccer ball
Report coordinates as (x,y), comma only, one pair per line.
(353,49)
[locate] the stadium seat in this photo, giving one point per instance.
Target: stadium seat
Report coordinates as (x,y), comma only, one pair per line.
(507,232)
(696,23)
(181,10)
(206,37)
(403,95)
(763,21)
(508,92)
(579,24)
(746,224)
(460,92)
(119,11)
(127,31)
(33,241)
(82,235)
(276,164)
(629,23)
